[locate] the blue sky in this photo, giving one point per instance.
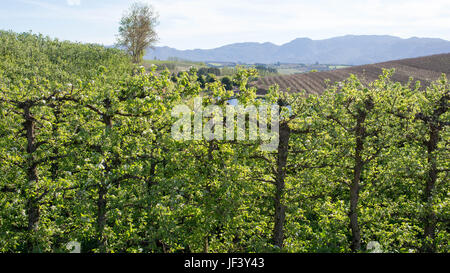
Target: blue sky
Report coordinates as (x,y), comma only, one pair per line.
(186,24)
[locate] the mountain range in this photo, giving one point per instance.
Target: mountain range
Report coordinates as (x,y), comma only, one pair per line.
(345,50)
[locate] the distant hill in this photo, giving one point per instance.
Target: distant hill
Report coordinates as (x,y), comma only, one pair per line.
(424,69)
(349,50)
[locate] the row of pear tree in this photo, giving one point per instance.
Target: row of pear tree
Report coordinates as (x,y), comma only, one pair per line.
(87,155)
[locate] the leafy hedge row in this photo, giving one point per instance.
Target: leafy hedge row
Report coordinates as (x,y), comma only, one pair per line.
(86,155)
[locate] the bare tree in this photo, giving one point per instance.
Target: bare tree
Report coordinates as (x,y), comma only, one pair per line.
(137,30)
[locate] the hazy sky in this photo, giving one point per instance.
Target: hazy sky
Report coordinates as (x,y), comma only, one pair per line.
(186,24)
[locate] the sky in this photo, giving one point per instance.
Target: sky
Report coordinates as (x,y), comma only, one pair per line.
(190,24)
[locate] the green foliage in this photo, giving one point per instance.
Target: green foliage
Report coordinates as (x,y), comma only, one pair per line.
(86,154)
(208,70)
(227,82)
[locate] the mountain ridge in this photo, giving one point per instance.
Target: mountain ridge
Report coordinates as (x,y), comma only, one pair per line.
(348,50)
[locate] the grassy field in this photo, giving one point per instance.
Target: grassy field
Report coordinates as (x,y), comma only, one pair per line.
(228,69)
(174,65)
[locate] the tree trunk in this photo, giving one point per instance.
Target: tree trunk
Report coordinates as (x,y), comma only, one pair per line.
(430,220)
(54,167)
(355,185)
(33,210)
(101,217)
(206,244)
(354,197)
(280,209)
(435,125)
(103,191)
(32,206)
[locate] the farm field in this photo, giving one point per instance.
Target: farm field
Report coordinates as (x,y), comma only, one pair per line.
(228,69)
(174,66)
(423,69)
